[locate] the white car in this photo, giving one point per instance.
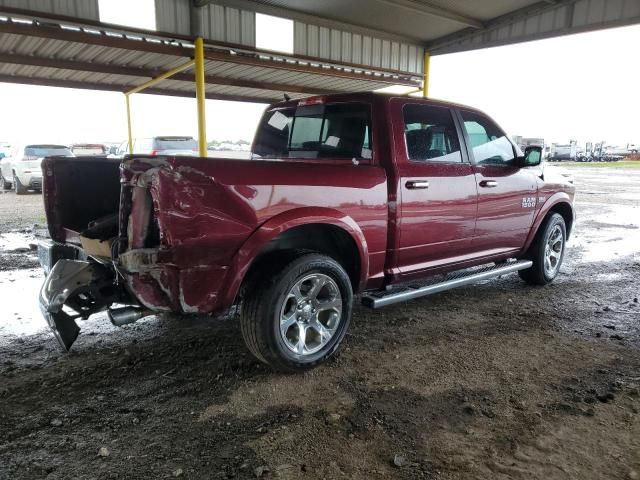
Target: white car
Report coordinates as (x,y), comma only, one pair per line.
(22,169)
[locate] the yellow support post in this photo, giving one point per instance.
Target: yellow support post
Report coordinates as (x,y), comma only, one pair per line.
(130,136)
(146,85)
(425,78)
(200,97)
(160,78)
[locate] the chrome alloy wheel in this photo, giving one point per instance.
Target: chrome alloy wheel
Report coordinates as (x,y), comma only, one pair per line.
(553,251)
(311,313)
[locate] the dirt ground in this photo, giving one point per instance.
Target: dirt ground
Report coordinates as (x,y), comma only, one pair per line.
(495,381)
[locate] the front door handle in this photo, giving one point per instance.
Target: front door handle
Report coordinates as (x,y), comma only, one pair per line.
(488,183)
(415,184)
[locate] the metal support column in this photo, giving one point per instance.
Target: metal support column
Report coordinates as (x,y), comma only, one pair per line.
(145,85)
(129,135)
(425,77)
(200,97)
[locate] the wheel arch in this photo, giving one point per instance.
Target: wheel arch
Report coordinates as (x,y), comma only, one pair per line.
(559,203)
(324,231)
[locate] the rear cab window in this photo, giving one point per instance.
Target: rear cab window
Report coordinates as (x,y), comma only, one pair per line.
(333,131)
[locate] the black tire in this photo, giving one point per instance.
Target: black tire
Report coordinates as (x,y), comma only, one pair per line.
(18,187)
(537,274)
(5,184)
(264,299)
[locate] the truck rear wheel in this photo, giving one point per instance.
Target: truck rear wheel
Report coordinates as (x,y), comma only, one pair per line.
(296,319)
(546,252)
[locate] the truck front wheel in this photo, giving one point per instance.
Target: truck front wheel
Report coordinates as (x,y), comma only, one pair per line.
(296,318)
(546,252)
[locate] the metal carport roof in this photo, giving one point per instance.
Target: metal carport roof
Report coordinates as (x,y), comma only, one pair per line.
(60,51)
(339,46)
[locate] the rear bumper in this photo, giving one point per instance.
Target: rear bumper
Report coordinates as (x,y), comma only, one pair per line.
(65,280)
(82,287)
(33,181)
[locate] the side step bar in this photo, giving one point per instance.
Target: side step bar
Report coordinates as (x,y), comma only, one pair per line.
(456,280)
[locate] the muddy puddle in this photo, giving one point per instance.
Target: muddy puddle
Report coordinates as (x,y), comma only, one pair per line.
(19,302)
(605,232)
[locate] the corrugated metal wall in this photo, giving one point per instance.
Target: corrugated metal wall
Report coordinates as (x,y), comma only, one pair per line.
(572,17)
(220,23)
(228,24)
(85,9)
(173,16)
(347,47)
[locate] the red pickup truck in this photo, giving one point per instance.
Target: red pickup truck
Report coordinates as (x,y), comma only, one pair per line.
(389,197)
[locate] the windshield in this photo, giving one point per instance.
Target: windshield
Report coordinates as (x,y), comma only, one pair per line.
(176,143)
(47,151)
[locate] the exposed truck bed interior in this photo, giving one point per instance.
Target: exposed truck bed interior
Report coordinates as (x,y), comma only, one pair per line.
(82,197)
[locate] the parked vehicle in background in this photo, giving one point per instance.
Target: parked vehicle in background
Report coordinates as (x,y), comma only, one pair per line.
(396,197)
(22,169)
(5,149)
(182,146)
(561,153)
(90,149)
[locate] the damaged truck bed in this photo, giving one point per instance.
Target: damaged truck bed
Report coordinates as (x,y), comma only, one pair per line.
(154,234)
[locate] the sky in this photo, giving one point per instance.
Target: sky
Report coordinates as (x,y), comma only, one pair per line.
(583,87)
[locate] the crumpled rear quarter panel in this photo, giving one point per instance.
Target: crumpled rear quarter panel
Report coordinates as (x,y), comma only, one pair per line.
(206,209)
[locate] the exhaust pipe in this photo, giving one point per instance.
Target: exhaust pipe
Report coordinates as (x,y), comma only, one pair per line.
(126,315)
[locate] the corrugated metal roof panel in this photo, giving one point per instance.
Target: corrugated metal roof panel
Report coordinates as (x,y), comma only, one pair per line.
(544,21)
(103,60)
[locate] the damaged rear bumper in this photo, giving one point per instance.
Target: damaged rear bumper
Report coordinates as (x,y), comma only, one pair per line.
(84,288)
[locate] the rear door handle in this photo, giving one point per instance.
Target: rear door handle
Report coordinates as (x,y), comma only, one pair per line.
(488,183)
(415,184)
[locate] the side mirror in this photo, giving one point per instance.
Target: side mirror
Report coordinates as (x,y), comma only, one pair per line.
(532,156)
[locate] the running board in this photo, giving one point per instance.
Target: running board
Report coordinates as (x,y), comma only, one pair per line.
(382,299)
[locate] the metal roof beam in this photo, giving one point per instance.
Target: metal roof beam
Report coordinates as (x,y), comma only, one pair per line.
(56,32)
(146,73)
(50,82)
(284,64)
(435,11)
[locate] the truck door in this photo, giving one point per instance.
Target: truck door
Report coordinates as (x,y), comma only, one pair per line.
(436,187)
(507,193)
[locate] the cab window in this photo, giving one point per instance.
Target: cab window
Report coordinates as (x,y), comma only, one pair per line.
(488,142)
(335,131)
(430,134)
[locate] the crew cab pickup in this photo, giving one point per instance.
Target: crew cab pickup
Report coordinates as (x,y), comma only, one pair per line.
(389,197)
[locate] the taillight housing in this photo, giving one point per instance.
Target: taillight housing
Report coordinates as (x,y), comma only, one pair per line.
(154,152)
